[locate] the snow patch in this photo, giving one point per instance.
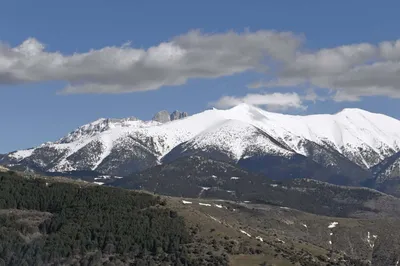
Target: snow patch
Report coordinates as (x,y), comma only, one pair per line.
(333,224)
(218,206)
(244,232)
(102,177)
(235,178)
(288,222)
(215,219)
(99,183)
(204,204)
(371,241)
(21,154)
(260,238)
(186,202)
(107,142)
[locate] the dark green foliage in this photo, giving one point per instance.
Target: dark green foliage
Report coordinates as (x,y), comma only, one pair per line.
(88,225)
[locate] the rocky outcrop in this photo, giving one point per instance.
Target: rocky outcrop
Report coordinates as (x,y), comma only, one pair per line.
(178,115)
(164,116)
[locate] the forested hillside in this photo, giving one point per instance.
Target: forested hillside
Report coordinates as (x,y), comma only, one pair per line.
(60,221)
(64,223)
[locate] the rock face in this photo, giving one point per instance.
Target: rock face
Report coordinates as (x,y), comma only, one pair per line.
(178,115)
(164,116)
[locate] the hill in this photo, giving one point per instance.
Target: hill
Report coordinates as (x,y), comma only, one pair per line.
(198,177)
(56,223)
(52,221)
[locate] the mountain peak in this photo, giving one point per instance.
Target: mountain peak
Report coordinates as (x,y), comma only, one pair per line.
(244,106)
(96,127)
(354,111)
(164,116)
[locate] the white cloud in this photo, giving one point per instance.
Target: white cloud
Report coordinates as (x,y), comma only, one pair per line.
(126,69)
(390,50)
(273,101)
(329,61)
(351,71)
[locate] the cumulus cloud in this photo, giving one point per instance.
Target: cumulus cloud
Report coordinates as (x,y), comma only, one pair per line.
(272,101)
(126,69)
(350,71)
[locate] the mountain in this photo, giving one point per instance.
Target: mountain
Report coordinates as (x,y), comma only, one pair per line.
(344,145)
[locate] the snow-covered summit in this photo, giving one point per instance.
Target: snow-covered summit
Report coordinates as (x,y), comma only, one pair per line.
(102,125)
(363,137)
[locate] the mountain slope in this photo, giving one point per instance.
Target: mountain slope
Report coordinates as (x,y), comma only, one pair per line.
(321,163)
(78,223)
(387,169)
(386,175)
(51,222)
(372,242)
(349,140)
(205,178)
(230,141)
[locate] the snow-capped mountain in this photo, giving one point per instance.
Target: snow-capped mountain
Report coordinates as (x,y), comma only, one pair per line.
(121,146)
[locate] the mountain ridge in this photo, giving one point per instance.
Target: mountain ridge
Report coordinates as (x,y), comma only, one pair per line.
(352,137)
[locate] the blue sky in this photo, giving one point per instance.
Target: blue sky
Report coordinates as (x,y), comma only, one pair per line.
(34,110)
